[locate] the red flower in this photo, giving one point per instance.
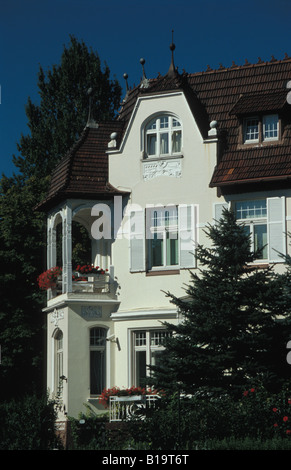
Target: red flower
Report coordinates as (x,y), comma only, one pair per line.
(285,419)
(288,431)
(246,393)
(275,425)
(275,410)
(252,390)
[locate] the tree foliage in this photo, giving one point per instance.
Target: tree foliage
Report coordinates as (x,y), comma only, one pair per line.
(54,125)
(233,330)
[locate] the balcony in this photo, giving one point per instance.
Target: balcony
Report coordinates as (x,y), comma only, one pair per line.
(101,287)
(123,408)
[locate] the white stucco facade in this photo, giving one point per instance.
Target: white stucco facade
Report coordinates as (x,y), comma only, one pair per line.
(136,302)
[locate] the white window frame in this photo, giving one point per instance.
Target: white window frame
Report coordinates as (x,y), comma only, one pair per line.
(159,228)
(101,348)
(275,220)
(146,347)
(253,220)
(246,126)
(155,127)
(139,232)
(274,120)
(58,363)
(261,128)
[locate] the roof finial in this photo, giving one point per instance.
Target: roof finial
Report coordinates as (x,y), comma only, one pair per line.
(90,121)
(125,76)
(172,70)
(144,82)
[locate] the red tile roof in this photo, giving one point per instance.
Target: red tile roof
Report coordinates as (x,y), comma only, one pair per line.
(224,95)
(83,172)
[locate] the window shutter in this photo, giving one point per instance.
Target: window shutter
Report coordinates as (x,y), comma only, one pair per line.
(187,235)
(137,240)
(218,209)
(276,228)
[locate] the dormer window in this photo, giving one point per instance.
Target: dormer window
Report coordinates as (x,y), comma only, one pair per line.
(264,129)
(163,136)
(270,127)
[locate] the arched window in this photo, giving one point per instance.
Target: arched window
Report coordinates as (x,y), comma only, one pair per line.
(97,360)
(58,355)
(163,136)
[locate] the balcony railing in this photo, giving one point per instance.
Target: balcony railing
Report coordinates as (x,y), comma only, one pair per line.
(88,284)
(96,283)
(122,408)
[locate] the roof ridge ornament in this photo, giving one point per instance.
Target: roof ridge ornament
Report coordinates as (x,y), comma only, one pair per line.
(144,81)
(90,121)
(172,70)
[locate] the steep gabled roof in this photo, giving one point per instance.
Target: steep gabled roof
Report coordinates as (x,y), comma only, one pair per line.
(83,172)
(225,95)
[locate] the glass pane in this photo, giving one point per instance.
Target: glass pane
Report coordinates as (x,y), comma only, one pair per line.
(171,217)
(172,248)
(140,363)
(97,337)
(156,250)
(164,122)
(260,240)
(140,338)
(176,123)
(251,129)
(152,124)
(251,209)
(97,372)
(271,127)
(156,358)
(176,141)
(157,337)
(151,144)
(164,143)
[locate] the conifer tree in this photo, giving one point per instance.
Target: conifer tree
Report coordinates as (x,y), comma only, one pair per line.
(229,335)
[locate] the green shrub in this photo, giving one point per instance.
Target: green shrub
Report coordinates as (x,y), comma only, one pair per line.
(28,424)
(88,431)
(258,416)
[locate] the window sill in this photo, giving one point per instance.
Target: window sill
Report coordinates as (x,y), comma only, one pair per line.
(163,272)
(257,144)
(156,158)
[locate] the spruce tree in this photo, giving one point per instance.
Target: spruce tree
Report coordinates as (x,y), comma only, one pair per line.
(229,336)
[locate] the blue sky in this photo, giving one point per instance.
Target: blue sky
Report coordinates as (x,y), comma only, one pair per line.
(34,32)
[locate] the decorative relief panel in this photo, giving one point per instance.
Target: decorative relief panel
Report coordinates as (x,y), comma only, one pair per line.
(89,312)
(153,169)
(57,314)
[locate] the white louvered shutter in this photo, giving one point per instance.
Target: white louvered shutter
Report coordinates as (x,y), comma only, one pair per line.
(276,228)
(187,235)
(137,240)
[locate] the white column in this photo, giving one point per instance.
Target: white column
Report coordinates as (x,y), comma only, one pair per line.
(67,248)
